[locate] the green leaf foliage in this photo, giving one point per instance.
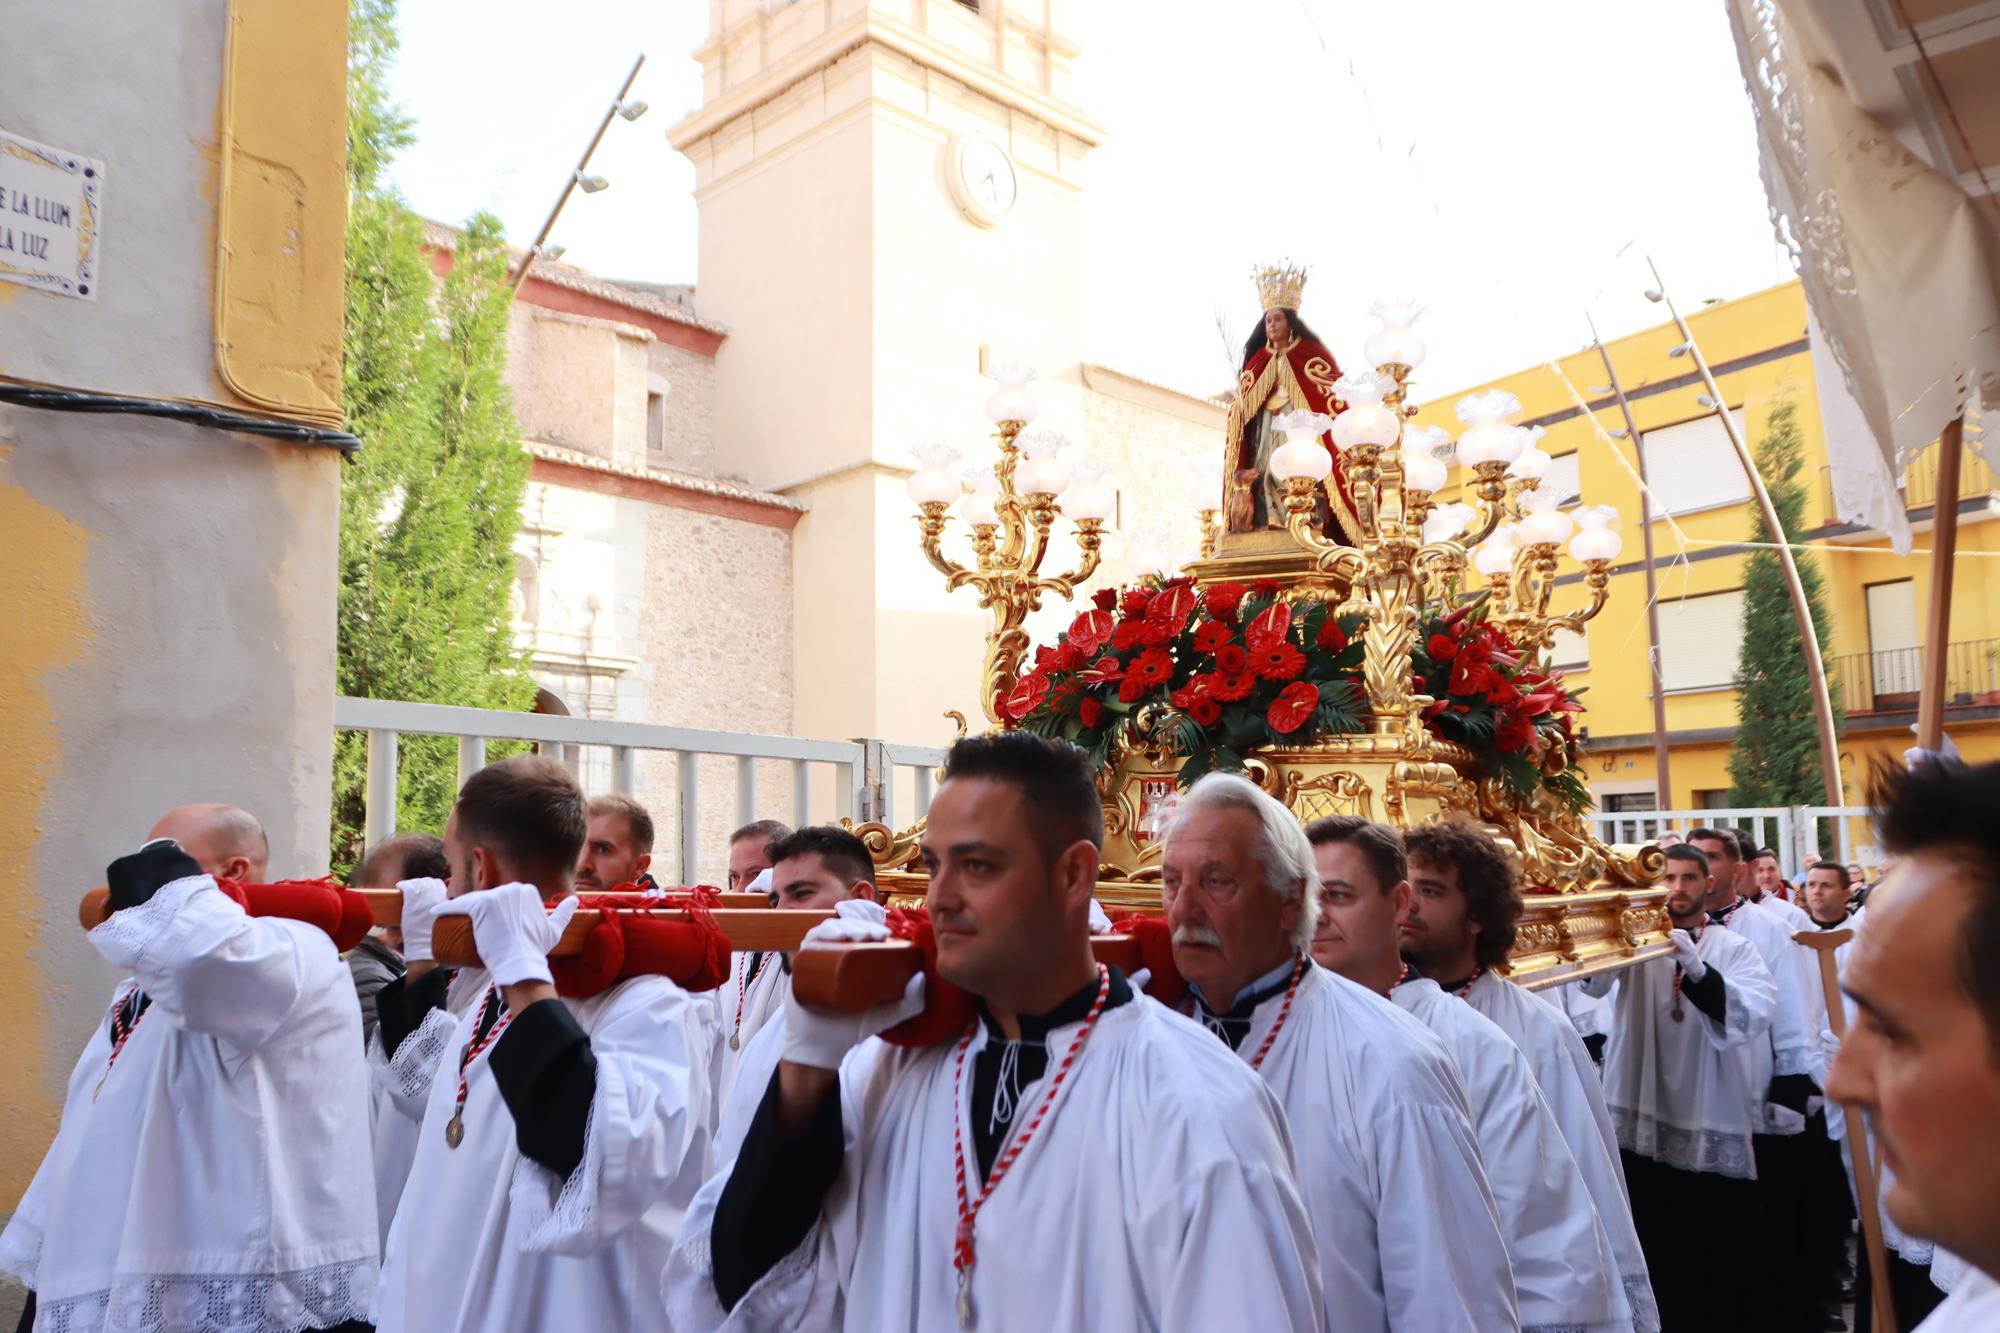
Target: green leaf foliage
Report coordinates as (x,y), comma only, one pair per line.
(1775,757)
(430,505)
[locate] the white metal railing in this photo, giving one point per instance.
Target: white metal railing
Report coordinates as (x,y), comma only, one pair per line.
(1793,831)
(864,772)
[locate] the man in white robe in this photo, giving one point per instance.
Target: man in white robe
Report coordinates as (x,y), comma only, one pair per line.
(1681,1099)
(1409,1237)
(1077,1158)
(561,1139)
(1564,1272)
(1922,1058)
(207,1171)
(1460,890)
(813,869)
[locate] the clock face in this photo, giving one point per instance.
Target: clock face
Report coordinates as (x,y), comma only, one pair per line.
(984,180)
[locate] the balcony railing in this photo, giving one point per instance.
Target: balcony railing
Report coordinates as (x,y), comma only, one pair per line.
(1920,481)
(1889,680)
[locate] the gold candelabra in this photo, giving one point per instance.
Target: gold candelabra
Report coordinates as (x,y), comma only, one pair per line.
(1010,521)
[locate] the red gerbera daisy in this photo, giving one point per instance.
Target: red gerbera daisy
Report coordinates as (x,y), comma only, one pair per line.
(1278,661)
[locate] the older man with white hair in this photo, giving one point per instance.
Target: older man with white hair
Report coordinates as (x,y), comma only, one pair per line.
(1406,1228)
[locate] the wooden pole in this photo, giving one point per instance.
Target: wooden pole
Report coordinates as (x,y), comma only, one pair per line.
(1829,741)
(1823,943)
(1665,784)
(1937,624)
(528,260)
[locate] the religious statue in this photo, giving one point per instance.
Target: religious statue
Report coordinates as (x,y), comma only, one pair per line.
(1285,368)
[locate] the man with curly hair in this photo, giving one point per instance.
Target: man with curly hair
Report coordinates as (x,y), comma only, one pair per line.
(1465,899)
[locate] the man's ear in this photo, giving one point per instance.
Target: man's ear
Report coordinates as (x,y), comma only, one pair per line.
(1402,892)
(865,891)
(237,868)
(1076,873)
(485,870)
(642,865)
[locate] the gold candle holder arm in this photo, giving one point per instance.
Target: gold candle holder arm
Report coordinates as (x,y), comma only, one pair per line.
(1090,542)
(1597,579)
(931,521)
(1489,487)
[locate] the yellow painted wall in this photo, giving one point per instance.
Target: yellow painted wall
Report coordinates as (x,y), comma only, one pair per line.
(1768,330)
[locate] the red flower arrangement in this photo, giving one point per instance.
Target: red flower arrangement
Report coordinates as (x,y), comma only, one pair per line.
(1242,669)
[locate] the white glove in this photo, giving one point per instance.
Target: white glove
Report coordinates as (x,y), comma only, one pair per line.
(1100,921)
(863,910)
(513,930)
(1684,954)
(421,900)
(1947,751)
(821,1038)
(1141,979)
(1829,1047)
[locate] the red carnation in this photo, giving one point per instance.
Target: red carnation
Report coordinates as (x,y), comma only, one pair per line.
(1331,636)
(1135,601)
(1212,635)
(1150,668)
(1129,635)
(1205,710)
(1233,685)
(1499,693)
(1106,599)
(1090,712)
(1294,704)
(1442,647)
(1129,690)
(1278,661)
(1223,599)
(1514,733)
(1230,658)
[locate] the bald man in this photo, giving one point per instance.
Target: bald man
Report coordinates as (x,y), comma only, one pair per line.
(205,1163)
(225,841)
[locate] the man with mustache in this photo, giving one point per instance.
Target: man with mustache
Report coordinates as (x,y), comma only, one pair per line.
(1073,1158)
(1680,1096)
(1408,1234)
(1564,1272)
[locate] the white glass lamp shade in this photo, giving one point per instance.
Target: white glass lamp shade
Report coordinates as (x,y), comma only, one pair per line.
(1531,464)
(1148,553)
(1597,536)
(1091,494)
(1366,420)
(933,480)
(979,505)
(1495,555)
(1488,436)
(1447,521)
(1011,401)
(1302,454)
(1422,472)
(1395,343)
(1205,490)
(1432,440)
(1041,472)
(1545,526)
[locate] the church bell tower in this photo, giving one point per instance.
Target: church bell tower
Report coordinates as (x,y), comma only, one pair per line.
(889,194)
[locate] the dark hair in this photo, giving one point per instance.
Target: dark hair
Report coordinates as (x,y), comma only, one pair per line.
(1682,851)
(1746,846)
(1947,809)
(1771,852)
(1488,874)
(1257,339)
(770,830)
(838,850)
(1378,844)
(1053,777)
(1835,866)
(419,854)
(1727,837)
(637,821)
(528,810)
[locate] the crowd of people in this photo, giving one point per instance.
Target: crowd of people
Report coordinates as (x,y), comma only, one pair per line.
(1321,1103)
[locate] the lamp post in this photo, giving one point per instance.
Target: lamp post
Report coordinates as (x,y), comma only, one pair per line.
(1010,520)
(630,110)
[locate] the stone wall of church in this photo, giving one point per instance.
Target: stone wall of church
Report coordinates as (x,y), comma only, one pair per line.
(689,377)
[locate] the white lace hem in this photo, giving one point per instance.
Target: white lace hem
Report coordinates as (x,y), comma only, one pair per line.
(1793,1060)
(126,936)
(1645,1310)
(1710,1151)
(310,1298)
(557,1221)
(21,1249)
(415,1064)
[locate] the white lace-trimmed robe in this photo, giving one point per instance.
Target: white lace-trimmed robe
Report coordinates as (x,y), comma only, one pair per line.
(1565,1276)
(210,1182)
(1158,1194)
(488,1241)
(1972,1307)
(1789,1047)
(1408,1234)
(1679,1092)
(756,1063)
(1570,1084)
(401,1089)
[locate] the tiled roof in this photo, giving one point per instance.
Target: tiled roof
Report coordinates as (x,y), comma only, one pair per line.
(633,296)
(687,481)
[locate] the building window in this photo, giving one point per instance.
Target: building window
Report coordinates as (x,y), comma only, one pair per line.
(1626,801)
(1564,480)
(1700,640)
(1569,650)
(1711,798)
(656,426)
(1694,466)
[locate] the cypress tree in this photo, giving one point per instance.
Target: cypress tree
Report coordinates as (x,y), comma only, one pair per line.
(430,505)
(1775,758)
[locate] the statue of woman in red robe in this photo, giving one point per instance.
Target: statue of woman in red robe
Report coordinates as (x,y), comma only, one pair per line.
(1285,368)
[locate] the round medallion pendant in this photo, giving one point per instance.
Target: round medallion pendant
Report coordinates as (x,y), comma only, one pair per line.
(454,1130)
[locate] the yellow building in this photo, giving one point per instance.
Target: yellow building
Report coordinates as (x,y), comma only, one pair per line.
(1702,512)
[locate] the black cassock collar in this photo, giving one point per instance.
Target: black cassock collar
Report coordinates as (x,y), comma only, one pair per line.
(1003,1069)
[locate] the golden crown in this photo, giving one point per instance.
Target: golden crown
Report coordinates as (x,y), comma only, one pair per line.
(1279,286)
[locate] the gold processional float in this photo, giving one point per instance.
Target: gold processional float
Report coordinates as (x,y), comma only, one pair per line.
(1324,642)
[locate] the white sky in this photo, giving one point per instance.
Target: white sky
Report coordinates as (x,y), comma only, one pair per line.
(1507,164)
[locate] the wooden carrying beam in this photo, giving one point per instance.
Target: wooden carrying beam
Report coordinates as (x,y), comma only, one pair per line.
(387,904)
